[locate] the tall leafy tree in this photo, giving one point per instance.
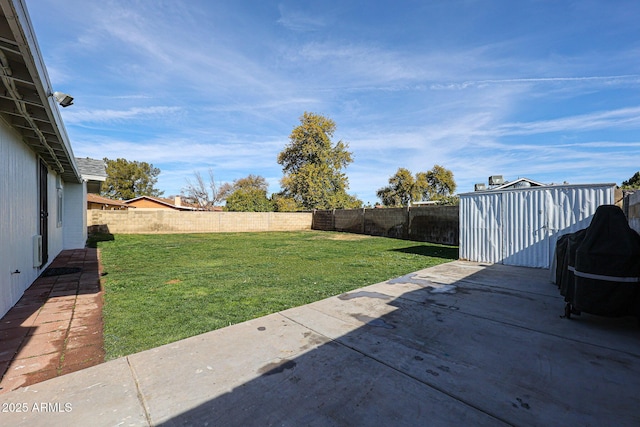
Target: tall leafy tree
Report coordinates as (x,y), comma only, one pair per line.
(403,188)
(284,204)
(436,184)
(249,195)
(129,179)
(632,183)
(313,166)
(441,184)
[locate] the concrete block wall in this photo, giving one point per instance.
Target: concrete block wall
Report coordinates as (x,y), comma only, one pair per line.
(166,221)
(323,220)
(392,222)
(435,224)
(349,220)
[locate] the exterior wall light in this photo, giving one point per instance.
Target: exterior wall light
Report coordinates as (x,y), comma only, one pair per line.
(63,99)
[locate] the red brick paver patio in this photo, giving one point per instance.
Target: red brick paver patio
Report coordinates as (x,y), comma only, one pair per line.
(56,327)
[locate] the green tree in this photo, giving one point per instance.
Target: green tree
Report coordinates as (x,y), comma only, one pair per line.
(403,188)
(249,195)
(285,204)
(129,179)
(632,183)
(313,165)
(436,184)
(441,184)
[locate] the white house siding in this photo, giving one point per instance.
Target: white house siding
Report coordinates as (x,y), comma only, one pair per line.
(18,217)
(20,165)
(75,215)
(56,237)
(521,227)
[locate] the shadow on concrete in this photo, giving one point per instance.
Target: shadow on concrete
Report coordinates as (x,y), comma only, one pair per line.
(485,348)
(39,322)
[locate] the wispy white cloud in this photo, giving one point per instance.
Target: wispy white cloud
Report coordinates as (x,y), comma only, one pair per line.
(102,116)
(623,118)
(297,20)
(605,80)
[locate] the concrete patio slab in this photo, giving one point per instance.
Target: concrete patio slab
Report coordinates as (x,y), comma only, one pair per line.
(105,396)
(457,344)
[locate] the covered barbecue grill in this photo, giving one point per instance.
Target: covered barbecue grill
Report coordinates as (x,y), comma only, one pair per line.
(598,268)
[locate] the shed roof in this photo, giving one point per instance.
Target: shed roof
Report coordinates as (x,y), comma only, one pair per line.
(536,188)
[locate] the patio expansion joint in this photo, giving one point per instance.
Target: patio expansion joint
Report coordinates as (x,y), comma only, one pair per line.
(141,399)
(401,372)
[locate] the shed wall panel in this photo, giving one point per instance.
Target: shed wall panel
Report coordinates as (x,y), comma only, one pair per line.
(524,231)
(521,227)
(480,224)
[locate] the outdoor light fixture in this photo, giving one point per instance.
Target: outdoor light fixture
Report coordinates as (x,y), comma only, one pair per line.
(63,99)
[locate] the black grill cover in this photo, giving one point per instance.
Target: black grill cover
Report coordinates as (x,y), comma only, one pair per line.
(566,249)
(606,266)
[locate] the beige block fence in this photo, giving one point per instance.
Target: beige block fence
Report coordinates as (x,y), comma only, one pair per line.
(165,221)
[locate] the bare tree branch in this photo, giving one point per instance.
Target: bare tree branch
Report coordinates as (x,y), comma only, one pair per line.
(205,195)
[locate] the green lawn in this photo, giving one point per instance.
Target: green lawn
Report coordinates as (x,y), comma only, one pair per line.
(162,288)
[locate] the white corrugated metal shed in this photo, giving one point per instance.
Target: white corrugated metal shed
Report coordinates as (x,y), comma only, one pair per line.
(521,226)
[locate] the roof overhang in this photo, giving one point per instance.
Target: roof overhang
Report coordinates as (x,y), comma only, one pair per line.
(25,89)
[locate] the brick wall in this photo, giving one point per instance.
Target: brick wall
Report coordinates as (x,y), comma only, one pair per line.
(168,221)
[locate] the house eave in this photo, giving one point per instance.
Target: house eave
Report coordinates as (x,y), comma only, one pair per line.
(25,101)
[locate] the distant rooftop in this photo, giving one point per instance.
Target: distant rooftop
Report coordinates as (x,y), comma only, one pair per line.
(496,182)
(92,169)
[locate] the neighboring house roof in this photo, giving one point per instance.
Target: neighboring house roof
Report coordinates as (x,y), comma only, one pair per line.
(26,100)
(94,198)
(92,169)
(519,183)
(94,172)
(158,202)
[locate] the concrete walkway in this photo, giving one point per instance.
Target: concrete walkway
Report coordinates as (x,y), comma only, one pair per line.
(56,327)
(457,344)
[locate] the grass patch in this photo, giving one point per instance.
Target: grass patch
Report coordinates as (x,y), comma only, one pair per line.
(163,288)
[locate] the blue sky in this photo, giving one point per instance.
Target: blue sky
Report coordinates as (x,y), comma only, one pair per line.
(548,90)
